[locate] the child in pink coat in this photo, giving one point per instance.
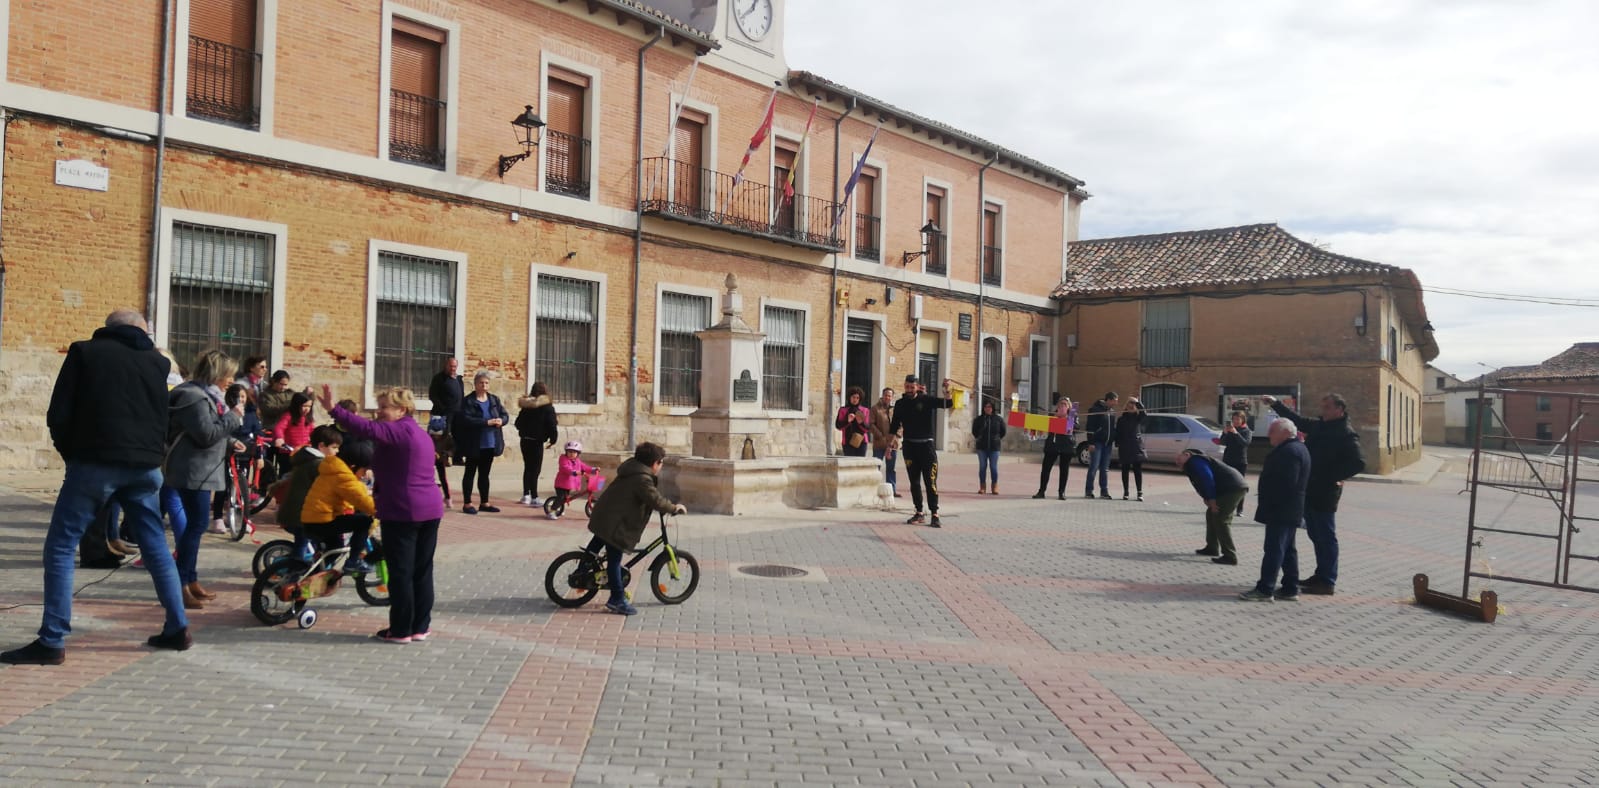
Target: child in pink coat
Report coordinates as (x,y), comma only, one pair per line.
(568,477)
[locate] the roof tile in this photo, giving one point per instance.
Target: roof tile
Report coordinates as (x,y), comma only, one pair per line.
(1578,361)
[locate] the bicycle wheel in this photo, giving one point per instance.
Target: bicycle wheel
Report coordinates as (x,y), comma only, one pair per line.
(572,579)
(269,554)
(265,603)
(234,517)
(373,587)
(259,486)
(673,590)
(588,508)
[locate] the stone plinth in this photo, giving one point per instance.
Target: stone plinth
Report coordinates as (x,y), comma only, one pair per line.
(711,486)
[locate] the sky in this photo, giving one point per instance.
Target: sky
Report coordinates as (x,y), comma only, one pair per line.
(1457,138)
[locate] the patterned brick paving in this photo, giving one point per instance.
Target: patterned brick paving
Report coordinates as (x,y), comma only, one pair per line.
(1027,642)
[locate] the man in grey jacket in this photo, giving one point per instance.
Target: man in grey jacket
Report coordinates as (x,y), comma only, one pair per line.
(113,447)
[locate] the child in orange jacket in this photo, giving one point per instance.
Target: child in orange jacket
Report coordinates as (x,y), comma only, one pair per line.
(340,503)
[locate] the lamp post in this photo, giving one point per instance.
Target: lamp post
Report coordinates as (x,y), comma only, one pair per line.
(931,228)
(527,127)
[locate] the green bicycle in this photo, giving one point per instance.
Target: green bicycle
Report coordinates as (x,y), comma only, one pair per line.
(575,577)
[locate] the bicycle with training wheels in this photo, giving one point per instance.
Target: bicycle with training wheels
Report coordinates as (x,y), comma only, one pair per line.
(575,577)
(286,583)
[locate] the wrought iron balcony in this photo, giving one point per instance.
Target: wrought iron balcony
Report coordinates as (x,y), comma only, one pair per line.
(993,257)
(566,158)
(868,241)
(936,264)
(416,129)
(222,83)
(676,190)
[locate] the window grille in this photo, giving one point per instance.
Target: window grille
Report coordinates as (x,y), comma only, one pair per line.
(1164,398)
(993,372)
(415,320)
(566,356)
(783,373)
(681,317)
(1165,333)
(221,292)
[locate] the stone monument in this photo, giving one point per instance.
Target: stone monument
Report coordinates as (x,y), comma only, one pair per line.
(730,395)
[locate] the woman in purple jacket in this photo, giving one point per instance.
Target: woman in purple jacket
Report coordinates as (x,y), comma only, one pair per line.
(408,505)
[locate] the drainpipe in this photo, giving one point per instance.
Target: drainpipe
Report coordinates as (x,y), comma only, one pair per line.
(5,125)
(832,305)
(982,205)
(638,247)
(160,163)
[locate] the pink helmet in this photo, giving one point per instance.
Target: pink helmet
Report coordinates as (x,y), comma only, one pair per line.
(576,446)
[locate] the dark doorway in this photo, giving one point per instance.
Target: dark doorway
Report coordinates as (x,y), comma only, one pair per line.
(858,364)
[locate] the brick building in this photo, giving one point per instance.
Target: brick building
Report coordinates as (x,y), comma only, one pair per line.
(340,187)
(1208,321)
(1537,415)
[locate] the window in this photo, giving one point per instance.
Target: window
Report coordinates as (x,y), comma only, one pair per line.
(937,260)
(927,367)
(1038,376)
(993,372)
(992,257)
(1165,333)
(1163,425)
(1165,398)
(416,300)
(416,106)
(1388,423)
(1544,431)
(224,62)
(1440,384)
(785,158)
(868,226)
(1393,346)
(783,359)
(221,292)
(566,144)
(680,365)
(1544,405)
(688,166)
(567,322)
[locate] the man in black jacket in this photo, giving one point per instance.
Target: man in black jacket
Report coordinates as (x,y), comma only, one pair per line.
(1221,487)
(113,446)
(916,412)
(1234,440)
(1101,426)
(1281,506)
(1335,456)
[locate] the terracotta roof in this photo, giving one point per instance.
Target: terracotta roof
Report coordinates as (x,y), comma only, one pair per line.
(1230,255)
(1491,379)
(981,147)
(1578,361)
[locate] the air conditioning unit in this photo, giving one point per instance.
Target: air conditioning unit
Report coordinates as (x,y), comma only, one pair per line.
(916,307)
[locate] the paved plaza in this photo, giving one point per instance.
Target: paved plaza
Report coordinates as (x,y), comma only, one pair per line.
(1026,643)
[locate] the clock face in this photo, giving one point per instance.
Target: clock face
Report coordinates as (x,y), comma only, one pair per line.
(754,17)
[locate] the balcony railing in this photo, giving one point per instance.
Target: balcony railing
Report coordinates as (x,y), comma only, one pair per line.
(567,158)
(992,259)
(222,83)
(416,129)
(673,189)
(936,264)
(1164,347)
(867,243)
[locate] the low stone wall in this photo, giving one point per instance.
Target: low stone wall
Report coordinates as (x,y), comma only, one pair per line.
(761,486)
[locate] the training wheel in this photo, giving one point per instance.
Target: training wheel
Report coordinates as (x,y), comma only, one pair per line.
(307,618)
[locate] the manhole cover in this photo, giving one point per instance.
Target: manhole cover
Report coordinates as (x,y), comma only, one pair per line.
(773,570)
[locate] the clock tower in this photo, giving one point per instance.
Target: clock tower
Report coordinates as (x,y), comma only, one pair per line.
(751,32)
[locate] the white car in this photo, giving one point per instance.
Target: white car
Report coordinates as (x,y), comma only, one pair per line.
(1167,435)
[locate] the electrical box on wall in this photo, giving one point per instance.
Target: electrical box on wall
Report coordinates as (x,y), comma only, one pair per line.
(1071,340)
(1020,368)
(916,307)
(888,295)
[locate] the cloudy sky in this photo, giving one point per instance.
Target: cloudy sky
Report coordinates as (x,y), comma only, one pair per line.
(1458,138)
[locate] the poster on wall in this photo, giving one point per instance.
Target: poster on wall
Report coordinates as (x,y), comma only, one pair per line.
(1248,401)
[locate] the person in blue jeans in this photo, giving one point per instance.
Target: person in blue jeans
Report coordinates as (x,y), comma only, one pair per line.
(623,512)
(1335,456)
(1280,507)
(989,430)
(108,419)
(1101,426)
(201,436)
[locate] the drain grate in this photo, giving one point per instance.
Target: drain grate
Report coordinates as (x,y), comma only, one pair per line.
(773,570)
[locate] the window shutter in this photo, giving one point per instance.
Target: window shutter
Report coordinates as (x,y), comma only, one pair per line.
(414,65)
(866,192)
(223,257)
(414,280)
(689,143)
(927,343)
(565,111)
(784,326)
(991,226)
(566,299)
(857,330)
(230,22)
(684,314)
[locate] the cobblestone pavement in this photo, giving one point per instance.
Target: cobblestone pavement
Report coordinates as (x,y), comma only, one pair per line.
(1026,643)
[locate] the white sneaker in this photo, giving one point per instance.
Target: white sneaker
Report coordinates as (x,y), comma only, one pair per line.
(551,516)
(527,500)
(218,527)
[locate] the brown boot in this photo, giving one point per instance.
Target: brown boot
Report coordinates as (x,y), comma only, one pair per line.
(199,591)
(190,601)
(982,489)
(995,489)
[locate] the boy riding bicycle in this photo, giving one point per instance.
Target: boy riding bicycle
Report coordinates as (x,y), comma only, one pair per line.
(623,512)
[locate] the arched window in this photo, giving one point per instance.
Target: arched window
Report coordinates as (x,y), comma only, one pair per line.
(1165,397)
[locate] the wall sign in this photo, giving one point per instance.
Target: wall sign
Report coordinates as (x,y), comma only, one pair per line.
(83,174)
(965,329)
(746,389)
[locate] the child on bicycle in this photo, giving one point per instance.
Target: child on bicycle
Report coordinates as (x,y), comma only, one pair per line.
(622,514)
(305,466)
(570,473)
(337,490)
(242,443)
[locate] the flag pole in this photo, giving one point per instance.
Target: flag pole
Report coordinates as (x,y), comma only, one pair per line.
(671,126)
(756,140)
(804,138)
